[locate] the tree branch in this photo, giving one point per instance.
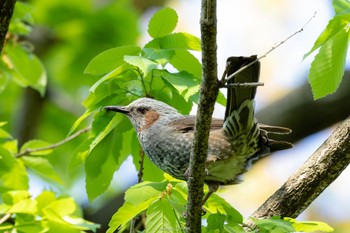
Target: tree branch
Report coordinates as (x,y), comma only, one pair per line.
(312,178)
(53,146)
(6,10)
(207,98)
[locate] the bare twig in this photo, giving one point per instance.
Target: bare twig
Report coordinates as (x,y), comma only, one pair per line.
(273,48)
(244,85)
(53,146)
(4,218)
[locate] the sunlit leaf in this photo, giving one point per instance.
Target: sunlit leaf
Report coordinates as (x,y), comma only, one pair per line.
(327,69)
(26,206)
(41,166)
(162,23)
(28,69)
(13,197)
(216,222)
(183,60)
(144,64)
(161,217)
(35,144)
(274,224)
(126,213)
(340,5)
(335,26)
(13,175)
(309,226)
(110,59)
(180,40)
(148,189)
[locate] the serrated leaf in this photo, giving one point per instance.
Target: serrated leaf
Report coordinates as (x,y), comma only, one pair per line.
(149,190)
(35,144)
(180,40)
(42,167)
(335,25)
(110,59)
(144,64)
(185,83)
(28,69)
(309,226)
(126,213)
(161,217)
(100,166)
(13,175)
(217,204)
(183,60)
(340,5)
(162,56)
(79,155)
(327,69)
(162,23)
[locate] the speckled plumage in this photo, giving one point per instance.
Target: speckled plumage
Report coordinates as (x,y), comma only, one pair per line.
(166,136)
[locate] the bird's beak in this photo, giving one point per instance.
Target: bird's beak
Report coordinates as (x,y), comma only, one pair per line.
(120,109)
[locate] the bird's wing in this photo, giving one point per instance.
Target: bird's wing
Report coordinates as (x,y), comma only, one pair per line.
(186,124)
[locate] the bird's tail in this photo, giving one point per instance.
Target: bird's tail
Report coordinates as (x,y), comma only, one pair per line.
(239,115)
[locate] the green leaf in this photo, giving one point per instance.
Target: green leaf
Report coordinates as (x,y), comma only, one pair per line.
(13,175)
(161,217)
(35,144)
(185,61)
(63,206)
(41,166)
(162,56)
(185,83)
(340,5)
(221,99)
(79,155)
(327,69)
(111,59)
(217,204)
(162,23)
(309,226)
(149,190)
(26,206)
(13,197)
(44,199)
(126,213)
(100,166)
(28,69)
(274,224)
(335,25)
(144,64)
(216,222)
(180,40)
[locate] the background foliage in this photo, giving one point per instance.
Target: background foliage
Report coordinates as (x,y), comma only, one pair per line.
(44,66)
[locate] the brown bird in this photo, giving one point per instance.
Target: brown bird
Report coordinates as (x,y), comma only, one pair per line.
(234,143)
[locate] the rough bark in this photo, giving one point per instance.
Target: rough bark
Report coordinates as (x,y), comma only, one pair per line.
(207,98)
(312,178)
(6,10)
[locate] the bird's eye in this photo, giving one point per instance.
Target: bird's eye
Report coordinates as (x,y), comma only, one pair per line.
(142,110)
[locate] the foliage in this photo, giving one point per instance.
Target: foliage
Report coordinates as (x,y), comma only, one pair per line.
(164,69)
(327,68)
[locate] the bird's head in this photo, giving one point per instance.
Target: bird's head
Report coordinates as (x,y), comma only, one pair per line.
(145,113)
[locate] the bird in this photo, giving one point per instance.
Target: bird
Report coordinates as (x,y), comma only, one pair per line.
(236,141)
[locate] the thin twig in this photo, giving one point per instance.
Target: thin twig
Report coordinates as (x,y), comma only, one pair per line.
(53,146)
(139,176)
(4,218)
(273,48)
(244,85)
